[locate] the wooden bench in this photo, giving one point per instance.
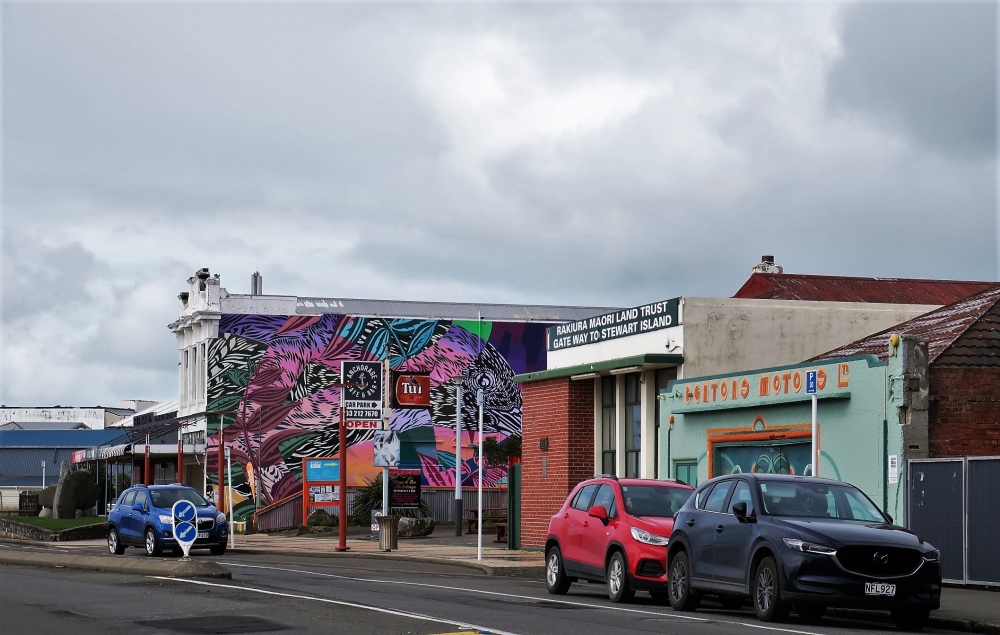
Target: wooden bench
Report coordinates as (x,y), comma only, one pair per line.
(490,515)
(501,532)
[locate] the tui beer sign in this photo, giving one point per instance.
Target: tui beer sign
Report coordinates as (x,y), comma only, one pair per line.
(411,390)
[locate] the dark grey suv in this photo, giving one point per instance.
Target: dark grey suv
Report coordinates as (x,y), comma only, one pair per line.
(796,542)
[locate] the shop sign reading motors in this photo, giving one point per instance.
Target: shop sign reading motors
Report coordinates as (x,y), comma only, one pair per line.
(780,385)
(640,319)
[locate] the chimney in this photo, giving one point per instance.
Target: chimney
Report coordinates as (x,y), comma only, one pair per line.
(767,266)
(256,284)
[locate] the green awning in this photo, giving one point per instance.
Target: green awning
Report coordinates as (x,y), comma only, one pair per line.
(647,362)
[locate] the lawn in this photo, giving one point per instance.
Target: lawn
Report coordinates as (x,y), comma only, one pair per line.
(57,524)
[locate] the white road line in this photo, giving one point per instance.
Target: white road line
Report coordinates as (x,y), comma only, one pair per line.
(377,609)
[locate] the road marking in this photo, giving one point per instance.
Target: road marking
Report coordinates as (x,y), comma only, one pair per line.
(417,616)
(527,597)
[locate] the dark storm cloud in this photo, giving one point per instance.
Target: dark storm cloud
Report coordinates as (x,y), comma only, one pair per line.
(929,68)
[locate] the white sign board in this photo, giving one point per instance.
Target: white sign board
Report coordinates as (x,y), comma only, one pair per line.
(184,516)
(893,469)
(387,449)
(361,397)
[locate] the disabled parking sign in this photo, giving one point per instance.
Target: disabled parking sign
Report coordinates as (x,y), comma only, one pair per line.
(185,533)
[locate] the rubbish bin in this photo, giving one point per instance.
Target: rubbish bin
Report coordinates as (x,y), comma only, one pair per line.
(388,532)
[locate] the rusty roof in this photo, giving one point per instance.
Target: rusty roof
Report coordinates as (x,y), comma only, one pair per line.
(790,286)
(965,333)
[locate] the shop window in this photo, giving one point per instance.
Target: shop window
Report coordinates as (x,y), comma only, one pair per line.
(764,457)
(663,377)
(608,425)
(687,472)
(633,424)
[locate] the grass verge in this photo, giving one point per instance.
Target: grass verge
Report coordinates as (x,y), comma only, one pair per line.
(57,524)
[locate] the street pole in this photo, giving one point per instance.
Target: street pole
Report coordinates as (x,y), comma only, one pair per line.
(386,415)
(145,466)
(43,474)
(180,458)
(479,400)
(342,521)
(458,459)
(229,497)
(815,453)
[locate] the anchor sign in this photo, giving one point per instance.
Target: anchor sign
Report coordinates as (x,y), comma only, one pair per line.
(185,533)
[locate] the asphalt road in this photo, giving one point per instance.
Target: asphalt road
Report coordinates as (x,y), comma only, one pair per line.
(282,594)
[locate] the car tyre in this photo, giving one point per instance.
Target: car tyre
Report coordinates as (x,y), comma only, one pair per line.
(810,612)
(617,576)
(731,602)
(115,545)
(909,618)
(151,543)
(682,598)
(556,580)
(217,550)
(767,602)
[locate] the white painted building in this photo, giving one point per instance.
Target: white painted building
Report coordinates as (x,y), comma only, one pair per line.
(93,417)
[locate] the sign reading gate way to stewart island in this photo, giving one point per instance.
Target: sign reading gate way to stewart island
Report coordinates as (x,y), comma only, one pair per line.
(641,319)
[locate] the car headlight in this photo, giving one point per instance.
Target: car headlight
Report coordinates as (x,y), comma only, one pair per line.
(809,547)
(933,556)
(220,518)
(646,538)
(166,520)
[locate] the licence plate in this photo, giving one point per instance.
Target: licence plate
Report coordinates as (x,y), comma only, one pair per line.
(203,534)
(879,588)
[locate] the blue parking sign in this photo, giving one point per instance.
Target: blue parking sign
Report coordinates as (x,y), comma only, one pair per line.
(810,382)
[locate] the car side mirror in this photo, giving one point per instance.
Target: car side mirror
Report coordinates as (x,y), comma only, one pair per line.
(599,512)
(740,511)
(137,507)
(888,517)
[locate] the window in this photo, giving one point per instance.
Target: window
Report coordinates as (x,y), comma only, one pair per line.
(165,498)
(605,498)
(127,498)
(633,424)
(815,500)
(663,377)
(658,501)
(742,495)
(202,373)
(582,499)
(608,425)
(717,499)
(687,472)
(141,498)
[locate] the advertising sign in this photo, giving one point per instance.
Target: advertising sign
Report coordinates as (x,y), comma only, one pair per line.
(324,493)
(411,390)
(386,450)
(641,319)
(319,483)
(319,470)
(184,516)
(404,488)
(362,398)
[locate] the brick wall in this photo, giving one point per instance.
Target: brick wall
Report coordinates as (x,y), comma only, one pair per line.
(964,411)
(562,411)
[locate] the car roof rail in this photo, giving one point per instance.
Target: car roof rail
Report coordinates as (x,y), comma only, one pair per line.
(611,476)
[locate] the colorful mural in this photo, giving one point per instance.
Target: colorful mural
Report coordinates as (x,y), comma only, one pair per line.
(271,383)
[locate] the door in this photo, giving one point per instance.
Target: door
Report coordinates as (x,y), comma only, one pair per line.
(595,534)
(137,520)
(701,532)
(125,525)
(574,516)
(732,543)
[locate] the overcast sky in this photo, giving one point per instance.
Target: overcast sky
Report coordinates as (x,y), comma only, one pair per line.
(599,154)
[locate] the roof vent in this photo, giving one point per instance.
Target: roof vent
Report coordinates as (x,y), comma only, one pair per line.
(256,284)
(767,266)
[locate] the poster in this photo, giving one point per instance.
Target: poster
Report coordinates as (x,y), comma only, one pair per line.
(404,488)
(893,469)
(386,449)
(319,470)
(324,493)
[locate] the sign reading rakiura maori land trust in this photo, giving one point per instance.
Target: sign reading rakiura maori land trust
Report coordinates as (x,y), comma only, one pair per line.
(640,319)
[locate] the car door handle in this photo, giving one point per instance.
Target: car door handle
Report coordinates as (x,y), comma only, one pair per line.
(691,523)
(586,523)
(719,529)
(566,515)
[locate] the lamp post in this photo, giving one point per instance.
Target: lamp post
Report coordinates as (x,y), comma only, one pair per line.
(479,401)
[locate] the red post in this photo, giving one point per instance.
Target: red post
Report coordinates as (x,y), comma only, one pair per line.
(180,459)
(222,470)
(342,521)
(145,466)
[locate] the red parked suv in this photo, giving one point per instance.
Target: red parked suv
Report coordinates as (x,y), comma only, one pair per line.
(615,531)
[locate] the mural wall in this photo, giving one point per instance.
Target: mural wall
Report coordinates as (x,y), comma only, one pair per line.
(272,379)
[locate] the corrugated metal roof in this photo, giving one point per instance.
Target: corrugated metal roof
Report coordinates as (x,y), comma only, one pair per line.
(966,333)
(448,310)
(44,425)
(28,461)
(76,439)
(788,286)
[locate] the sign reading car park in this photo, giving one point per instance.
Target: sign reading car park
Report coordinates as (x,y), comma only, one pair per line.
(641,319)
(361,397)
(184,517)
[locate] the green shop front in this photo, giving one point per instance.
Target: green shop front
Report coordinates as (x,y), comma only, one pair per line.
(761,421)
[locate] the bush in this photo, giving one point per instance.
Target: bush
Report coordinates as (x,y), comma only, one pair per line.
(370,498)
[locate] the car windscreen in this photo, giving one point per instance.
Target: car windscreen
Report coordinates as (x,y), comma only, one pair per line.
(654,500)
(165,498)
(818,500)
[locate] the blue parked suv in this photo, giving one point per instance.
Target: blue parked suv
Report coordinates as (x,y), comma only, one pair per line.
(141,518)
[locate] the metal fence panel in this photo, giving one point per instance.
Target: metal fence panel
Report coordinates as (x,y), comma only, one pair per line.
(936,511)
(984,513)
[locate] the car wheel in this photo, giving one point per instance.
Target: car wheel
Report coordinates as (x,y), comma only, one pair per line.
(115,545)
(617,577)
(152,544)
(909,618)
(731,602)
(810,612)
(767,602)
(682,598)
(217,550)
(555,575)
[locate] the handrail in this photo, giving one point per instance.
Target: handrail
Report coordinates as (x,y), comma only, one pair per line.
(275,504)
